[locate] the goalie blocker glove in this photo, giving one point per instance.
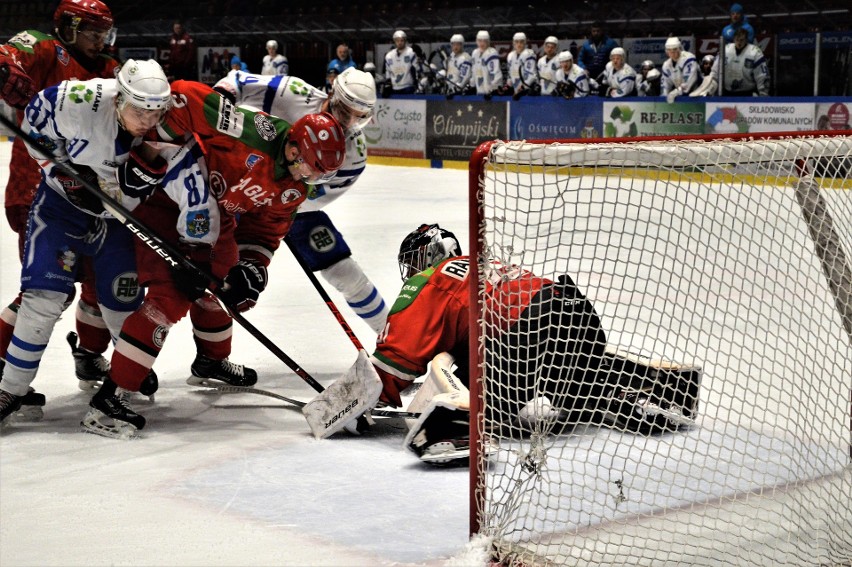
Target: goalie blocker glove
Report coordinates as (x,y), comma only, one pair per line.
(243,285)
(137,178)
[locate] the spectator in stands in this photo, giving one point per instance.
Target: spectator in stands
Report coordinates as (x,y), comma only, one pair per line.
(181,54)
(738,21)
(400,67)
(594,55)
(341,62)
(746,72)
(273,62)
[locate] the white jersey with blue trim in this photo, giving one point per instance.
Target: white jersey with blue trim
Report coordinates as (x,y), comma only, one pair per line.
(682,74)
(576,75)
(400,68)
(291,98)
(487,74)
(522,70)
(547,69)
(77,122)
(277,65)
(620,82)
(459,70)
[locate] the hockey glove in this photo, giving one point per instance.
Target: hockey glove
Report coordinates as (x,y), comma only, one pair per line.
(243,285)
(79,195)
(673,94)
(16,87)
(137,178)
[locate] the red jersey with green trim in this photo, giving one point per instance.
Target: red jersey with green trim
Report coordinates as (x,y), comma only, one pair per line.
(47,62)
(244,150)
(431,315)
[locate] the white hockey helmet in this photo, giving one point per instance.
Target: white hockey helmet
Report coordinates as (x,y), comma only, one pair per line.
(647,65)
(551,39)
(673,43)
(520,36)
(483,35)
(272,44)
(457,38)
(709,58)
(143,84)
(399,34)
(353,98)
(370,66)
(565,56)
(618,51)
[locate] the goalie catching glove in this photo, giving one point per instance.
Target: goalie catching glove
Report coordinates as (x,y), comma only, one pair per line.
(138,178)
(243,285)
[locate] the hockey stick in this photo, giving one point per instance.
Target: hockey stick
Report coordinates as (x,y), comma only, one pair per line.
(162,248)
(324,295)
(226,389)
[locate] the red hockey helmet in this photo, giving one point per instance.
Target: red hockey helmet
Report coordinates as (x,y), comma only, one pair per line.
(321,142)
(81,15)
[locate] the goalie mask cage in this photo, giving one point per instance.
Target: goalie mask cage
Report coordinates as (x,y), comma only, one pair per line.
(728,253)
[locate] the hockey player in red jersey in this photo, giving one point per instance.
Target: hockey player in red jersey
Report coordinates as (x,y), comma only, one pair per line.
(29,62)
(257,171)
(552,360)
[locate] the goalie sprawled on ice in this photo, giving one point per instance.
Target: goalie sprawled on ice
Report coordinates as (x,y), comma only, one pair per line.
(547,348)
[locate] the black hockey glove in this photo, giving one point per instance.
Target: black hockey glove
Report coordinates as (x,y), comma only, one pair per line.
(78,195)
(243,285)
(487,96)
(137,178)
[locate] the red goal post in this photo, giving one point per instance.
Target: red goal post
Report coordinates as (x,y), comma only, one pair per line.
(712,211)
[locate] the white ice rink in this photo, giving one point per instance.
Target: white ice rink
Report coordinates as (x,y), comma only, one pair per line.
(238,479)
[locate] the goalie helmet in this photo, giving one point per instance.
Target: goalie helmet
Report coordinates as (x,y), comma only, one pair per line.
(353,97)
(83,15)
(321,142)
(427,245)
(143,84)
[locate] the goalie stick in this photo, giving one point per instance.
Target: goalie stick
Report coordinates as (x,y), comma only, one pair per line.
(165,250)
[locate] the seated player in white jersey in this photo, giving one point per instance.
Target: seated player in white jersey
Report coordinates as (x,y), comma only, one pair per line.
(315,237)
(582,382)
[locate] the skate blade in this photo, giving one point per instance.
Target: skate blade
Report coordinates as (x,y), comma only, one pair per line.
(194,380)
(28,414)
(89,385)
(92,424)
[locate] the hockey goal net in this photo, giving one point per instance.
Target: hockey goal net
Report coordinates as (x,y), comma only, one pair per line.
(729,257)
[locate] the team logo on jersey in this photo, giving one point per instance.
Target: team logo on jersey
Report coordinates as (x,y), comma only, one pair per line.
(66,258)
(159,336)
(252,159)
(197,224)
(290,195)
(217,184)
(125,287)
(264,127)
(79,93)
(321,239)
(62,55)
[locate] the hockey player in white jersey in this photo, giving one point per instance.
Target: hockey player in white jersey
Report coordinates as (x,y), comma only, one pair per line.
(619,75)
(96,127)
(547,66)
(459,67)
(746,72)
(273,62)
(401,66)
(681,74)
(520,64)
(320,244)
(571,80)
(487,74)
(708,86)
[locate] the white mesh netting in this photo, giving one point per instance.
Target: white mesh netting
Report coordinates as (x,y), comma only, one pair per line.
(707,262)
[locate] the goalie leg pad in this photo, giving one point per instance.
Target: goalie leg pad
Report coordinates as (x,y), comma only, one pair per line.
(648,396)
(345,400)
(440,380)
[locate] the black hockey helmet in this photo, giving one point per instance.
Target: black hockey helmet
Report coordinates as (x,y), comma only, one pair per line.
(426,246)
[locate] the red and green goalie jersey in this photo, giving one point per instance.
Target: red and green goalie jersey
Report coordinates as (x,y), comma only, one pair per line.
(244,151)
(47,62)
(431,315)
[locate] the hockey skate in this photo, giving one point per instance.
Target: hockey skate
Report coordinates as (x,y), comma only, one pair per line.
(21,408)
(210,373)
(110,414)
(443,439)
(91,368)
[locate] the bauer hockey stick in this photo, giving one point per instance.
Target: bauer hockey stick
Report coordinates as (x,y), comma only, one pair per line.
(162,248)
